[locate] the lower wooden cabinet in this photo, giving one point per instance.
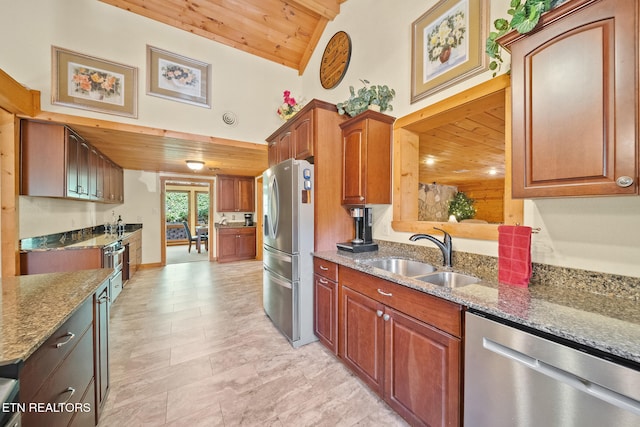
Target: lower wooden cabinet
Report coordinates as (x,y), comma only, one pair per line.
(406,345)
(101,347)
(236,243)
(325,312)
(66,380)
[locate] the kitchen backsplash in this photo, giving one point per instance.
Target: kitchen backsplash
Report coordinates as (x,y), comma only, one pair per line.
(486,268)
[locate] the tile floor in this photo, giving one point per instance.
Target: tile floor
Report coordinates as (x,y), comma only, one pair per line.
(191,346)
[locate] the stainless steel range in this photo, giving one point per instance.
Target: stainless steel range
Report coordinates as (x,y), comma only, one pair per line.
(113,257)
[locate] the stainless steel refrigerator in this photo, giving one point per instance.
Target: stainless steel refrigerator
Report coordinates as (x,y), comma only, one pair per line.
(287,196)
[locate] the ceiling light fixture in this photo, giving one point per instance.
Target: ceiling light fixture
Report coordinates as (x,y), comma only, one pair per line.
(195,165)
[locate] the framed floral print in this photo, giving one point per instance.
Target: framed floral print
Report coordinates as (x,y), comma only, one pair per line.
(177,77)
(90,83)
(447,45)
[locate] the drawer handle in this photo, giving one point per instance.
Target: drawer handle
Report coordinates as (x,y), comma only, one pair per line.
(323,268)
(71,336)
(103,299)
(71,392)
(323,281)
(386,294)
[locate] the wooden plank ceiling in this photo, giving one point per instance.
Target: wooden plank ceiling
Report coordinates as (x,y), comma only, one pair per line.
(283,31)
(464,143)
(157,150)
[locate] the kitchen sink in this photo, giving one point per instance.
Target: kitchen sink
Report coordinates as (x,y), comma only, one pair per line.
(449,279)
(404,267)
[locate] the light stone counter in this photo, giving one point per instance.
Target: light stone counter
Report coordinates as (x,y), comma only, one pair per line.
(605,322)
(32,307)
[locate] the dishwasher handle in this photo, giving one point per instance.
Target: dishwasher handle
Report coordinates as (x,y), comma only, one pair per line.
(572,380)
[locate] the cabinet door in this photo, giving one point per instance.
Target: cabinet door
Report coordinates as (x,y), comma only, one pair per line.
(78,153)
(363,337)
(245,192)
(325,312)
(96,175)
(422,379)
(101,350)
(273,153)
(43,159)
(303,136)
(226,245)
(284,146)
(246,244)
(354,164)
(575,109)
(226,194)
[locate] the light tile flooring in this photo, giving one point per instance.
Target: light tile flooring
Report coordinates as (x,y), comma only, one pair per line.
(191,346)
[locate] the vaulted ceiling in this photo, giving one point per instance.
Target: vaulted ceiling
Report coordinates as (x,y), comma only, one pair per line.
(283,31)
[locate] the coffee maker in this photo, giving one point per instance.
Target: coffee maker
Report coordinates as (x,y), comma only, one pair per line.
(248,219)
(363,223)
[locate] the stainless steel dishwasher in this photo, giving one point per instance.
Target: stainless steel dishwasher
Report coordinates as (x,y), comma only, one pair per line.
(514,378)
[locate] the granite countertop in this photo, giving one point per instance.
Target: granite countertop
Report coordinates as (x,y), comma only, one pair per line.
(32,307)
(234,225)
(606,323)
(86,240)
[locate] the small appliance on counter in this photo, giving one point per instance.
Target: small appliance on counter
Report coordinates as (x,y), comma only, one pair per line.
(248,219)
(363,222)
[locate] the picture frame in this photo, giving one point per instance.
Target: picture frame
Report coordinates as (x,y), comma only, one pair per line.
(447,45)
(176,77)
(90,83)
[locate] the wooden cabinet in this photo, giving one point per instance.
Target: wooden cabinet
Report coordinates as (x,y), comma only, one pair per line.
(61,370)
(325,308)
(236,243)
(406,345)
(235,193)
(52,261)
(366,159)
(77,166)
(134,242)
(314,135)
(57,162)
(101,347)
(575,109)
(296,141)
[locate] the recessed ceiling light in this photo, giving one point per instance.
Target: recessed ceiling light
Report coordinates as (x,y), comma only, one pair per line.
(493,171)
(195,165)
(430,161)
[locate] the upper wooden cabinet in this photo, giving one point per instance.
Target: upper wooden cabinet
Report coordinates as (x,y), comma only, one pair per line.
(366,159)
(575,101)
(314,134)
(57,162)
(235,193)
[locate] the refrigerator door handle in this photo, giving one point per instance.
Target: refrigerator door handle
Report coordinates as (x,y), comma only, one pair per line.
(275,278)
(273,206)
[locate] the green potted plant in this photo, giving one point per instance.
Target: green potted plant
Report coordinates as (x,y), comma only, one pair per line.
(525,15)
(374,95)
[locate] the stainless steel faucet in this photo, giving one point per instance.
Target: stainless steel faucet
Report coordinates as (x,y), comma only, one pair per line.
(445,245)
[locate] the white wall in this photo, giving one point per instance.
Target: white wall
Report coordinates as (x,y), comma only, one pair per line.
(245,84)
(599,234)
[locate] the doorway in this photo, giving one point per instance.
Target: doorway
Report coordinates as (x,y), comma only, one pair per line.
(190,201)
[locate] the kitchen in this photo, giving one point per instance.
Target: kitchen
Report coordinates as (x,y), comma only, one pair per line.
(594,234)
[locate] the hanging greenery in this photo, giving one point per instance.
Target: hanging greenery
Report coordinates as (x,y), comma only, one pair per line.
(462,206)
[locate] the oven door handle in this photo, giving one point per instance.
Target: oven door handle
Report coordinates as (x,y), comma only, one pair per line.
(118,252)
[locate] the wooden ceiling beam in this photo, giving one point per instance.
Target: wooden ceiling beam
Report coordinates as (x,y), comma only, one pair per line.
(17,99)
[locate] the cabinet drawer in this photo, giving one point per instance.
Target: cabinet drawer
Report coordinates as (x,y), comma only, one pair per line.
(67,384)
(325,269)
(50,354)
(444,315)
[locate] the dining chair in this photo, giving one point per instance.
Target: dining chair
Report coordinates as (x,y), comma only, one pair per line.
(202,238)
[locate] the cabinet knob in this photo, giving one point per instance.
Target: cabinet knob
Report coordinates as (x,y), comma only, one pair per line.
(624,181)
(379,313)
(386,317)
(361,198)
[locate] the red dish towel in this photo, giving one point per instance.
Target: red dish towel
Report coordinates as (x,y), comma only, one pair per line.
(514,254)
